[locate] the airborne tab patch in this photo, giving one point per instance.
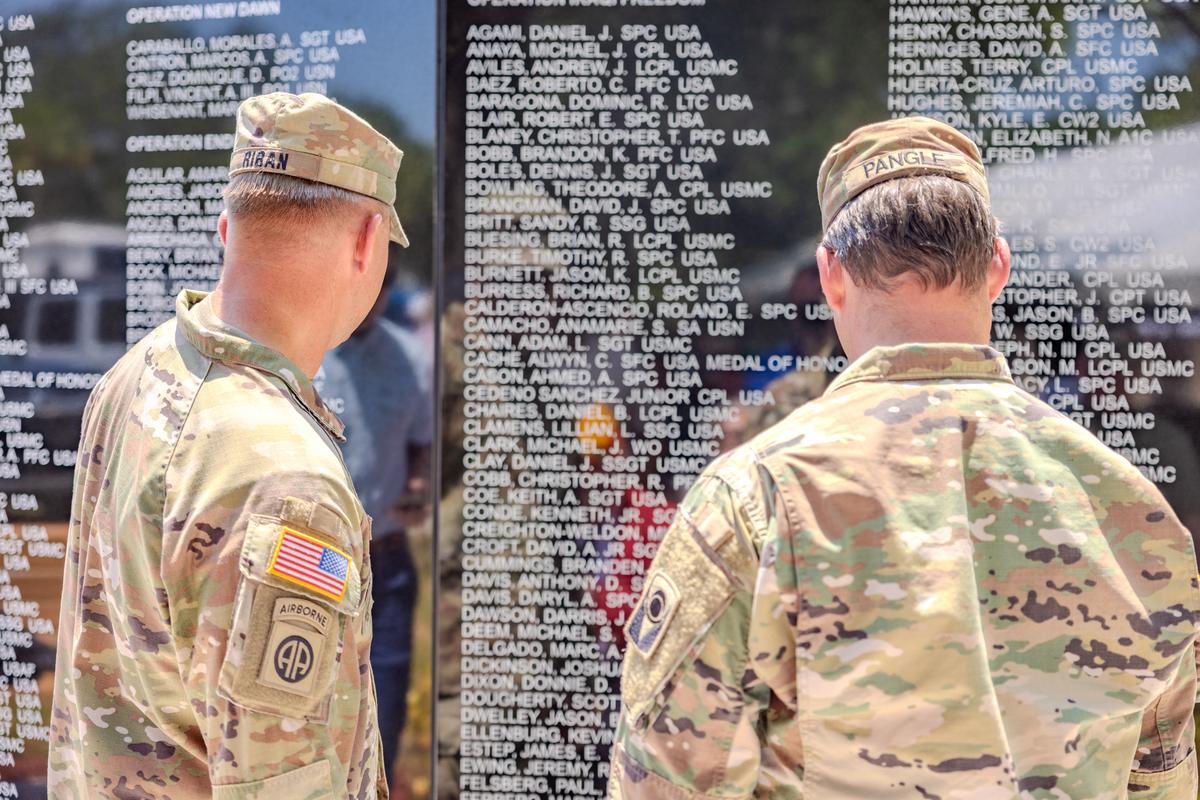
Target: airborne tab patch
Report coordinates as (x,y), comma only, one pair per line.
(309,562)
(292,658)
(654,611)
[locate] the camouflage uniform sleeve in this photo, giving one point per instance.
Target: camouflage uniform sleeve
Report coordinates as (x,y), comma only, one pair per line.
(275,668)
(706,702)
(1196,647)
(1164,763)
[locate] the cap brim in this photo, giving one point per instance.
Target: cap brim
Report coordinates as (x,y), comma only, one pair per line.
(396,231)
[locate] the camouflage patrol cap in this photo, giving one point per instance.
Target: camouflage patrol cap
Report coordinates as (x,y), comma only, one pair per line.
(895,148)
(310,136)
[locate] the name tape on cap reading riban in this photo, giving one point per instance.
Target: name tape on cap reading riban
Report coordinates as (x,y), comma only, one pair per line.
(311,137)
(896,148)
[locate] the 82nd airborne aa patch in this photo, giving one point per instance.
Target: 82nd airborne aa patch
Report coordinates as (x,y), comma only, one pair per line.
(299,630)
(653,613)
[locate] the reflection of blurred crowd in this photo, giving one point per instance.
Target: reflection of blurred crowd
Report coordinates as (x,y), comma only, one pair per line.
(448,635)
(790,389)
(381,381)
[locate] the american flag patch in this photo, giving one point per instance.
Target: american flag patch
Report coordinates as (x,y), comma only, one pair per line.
(309,562)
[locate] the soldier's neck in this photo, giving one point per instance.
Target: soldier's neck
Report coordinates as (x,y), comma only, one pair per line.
(283,306)
(910,316)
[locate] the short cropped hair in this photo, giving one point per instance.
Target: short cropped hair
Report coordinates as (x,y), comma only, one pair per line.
(937,229)
(281,198)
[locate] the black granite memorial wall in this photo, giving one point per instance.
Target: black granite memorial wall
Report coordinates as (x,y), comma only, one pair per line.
(629,289)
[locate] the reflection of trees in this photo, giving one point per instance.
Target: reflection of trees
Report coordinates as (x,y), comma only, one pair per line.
(814,71)
(76,127)
(75,116)
(414,185)
(1181,27)
(1188,17)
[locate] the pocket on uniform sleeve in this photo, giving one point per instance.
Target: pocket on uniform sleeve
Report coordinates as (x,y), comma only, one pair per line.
(1177,783)
(296,592)
(314,782)
(689,587)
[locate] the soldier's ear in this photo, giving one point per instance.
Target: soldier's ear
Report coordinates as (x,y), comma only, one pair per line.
(833,278)
(364,246)
(998,269)
(223,226)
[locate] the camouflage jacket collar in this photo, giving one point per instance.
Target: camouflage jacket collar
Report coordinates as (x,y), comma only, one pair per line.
(926,362)
(222,342)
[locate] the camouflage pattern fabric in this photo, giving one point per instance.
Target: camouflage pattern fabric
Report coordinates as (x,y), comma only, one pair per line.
(925,584)
(310,136)
(192,661)
(896,148)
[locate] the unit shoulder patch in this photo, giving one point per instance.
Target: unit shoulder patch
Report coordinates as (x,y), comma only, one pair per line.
(653,613)
(299,631)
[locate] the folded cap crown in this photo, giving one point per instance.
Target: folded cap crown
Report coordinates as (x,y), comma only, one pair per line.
(896,148)
(311,137)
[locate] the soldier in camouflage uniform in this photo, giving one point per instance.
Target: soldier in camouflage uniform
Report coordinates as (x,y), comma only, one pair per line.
(926,583)
(216,618)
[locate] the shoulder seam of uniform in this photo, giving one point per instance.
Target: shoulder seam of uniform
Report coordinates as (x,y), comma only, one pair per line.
(760,456)
(179,435)
(755,514)
(787,520)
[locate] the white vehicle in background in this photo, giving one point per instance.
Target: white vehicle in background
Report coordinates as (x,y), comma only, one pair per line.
(64,335)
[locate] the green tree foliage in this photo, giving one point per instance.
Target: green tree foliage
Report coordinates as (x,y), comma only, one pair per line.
(76,126)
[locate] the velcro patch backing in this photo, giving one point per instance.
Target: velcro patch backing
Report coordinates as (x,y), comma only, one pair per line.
(690,568)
